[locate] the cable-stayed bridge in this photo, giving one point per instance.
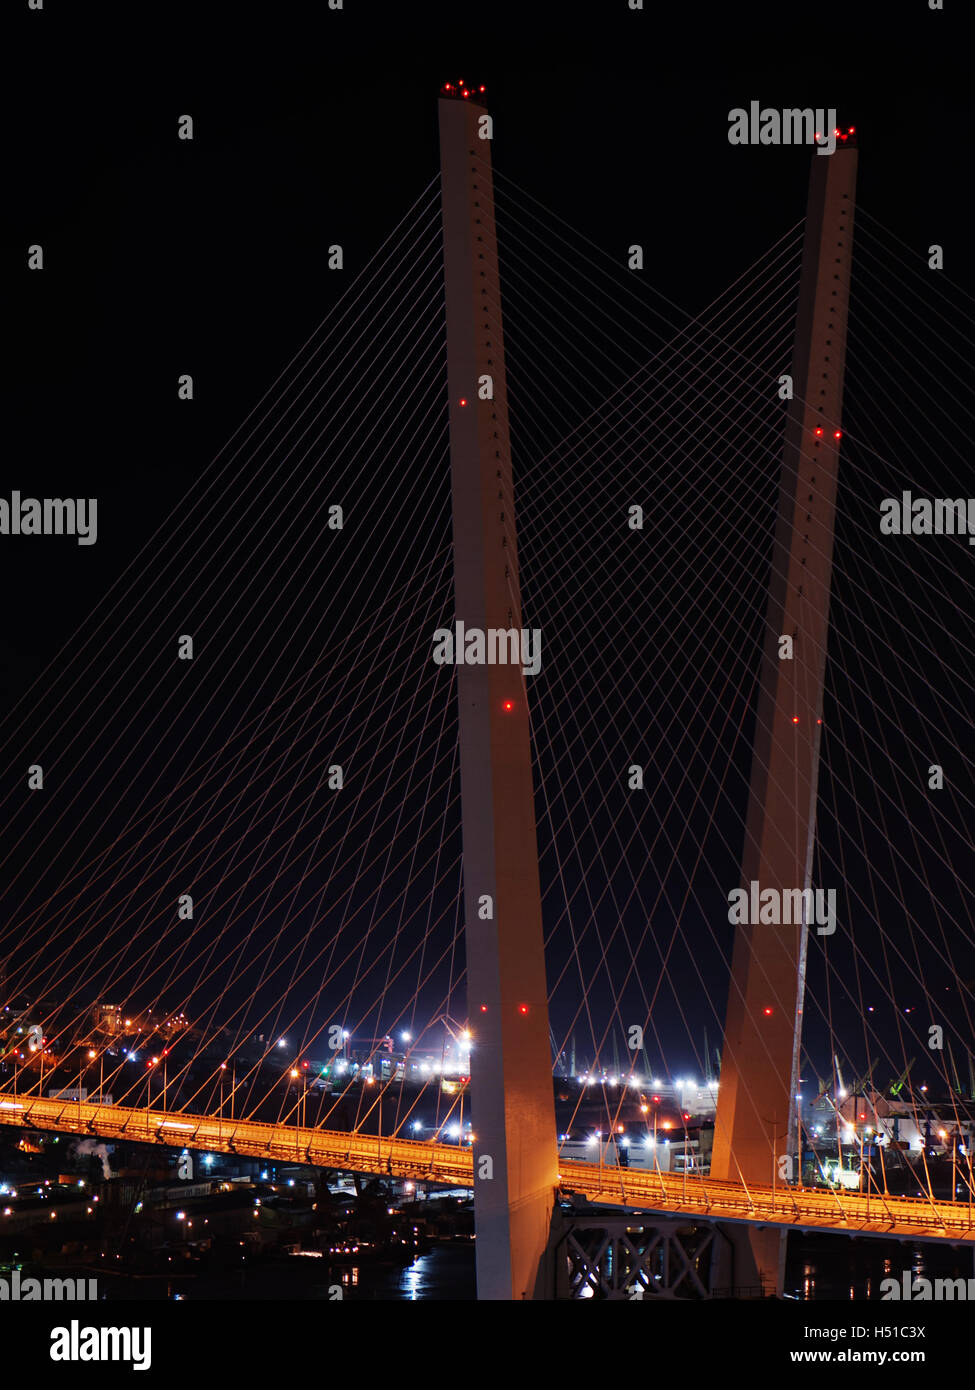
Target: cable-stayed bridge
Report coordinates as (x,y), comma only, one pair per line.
(832,1210)
(276,800)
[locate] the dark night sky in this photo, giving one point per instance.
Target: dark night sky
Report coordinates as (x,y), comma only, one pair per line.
(311,128)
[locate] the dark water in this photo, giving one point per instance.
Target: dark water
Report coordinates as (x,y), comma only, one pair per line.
(838,1267)
(447,1273)
(818,1270)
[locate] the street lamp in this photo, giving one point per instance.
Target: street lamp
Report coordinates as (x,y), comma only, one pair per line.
(299,1123)
(154,1062)
(233,1083)
(101,1072)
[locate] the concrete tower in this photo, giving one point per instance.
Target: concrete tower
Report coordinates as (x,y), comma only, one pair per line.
(513,1108)
(755,1125)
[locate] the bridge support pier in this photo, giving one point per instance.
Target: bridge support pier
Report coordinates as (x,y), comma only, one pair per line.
(751,1258)
(638,1257)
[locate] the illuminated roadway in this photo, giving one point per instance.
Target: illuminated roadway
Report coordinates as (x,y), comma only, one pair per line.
(666,1193)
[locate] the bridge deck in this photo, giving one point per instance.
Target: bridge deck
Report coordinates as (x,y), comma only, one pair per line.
(406,1158)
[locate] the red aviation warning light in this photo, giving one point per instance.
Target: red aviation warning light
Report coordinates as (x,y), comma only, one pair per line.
(508,706)
(522,1008)
(837,434)
(818,431)
(458,89)
(483,1008)
(795,719)
(767,1012)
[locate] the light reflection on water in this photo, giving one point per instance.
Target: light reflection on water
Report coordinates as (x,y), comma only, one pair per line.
(442,1273)
(854,1271)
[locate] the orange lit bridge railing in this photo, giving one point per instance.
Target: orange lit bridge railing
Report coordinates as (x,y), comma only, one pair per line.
(674,1194)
